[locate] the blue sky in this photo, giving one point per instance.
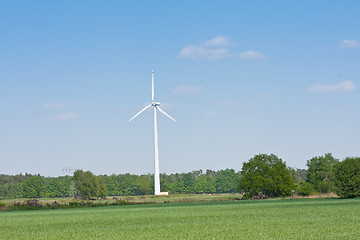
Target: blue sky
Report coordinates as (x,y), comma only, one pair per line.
(241,78)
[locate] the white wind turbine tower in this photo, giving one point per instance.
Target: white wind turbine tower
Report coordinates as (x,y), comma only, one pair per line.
(155,105)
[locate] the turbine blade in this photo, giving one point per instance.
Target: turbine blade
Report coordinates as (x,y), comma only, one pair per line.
(140,112)
(163,112)
(152,87)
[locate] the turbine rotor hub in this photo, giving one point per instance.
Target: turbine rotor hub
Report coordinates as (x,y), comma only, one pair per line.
(154,104)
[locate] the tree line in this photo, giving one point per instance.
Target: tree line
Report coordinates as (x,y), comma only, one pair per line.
(263,174)
(268,175)
(87,185)
(34,186)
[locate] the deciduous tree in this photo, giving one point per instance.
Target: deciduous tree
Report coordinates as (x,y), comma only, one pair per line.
(226,181)
(266,174)
(320,172)
(347,178)
(88,185)
(33,187)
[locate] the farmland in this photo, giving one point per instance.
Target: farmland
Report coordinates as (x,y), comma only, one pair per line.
(271,219)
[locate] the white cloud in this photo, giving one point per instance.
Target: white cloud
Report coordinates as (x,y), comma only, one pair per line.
(188,90)
(63,116)
(217,48)
(54,106)
(198,52)
(218,41)
(346,86)
(348,43)
(251,55)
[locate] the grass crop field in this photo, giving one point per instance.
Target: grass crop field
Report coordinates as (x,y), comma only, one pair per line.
(262,219)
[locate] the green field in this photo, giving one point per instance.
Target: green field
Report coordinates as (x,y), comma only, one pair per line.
(264,219)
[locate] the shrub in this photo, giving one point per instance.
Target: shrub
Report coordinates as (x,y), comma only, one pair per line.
(306,189)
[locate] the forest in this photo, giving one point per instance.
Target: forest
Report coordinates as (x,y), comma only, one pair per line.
(265,174)
(36,186)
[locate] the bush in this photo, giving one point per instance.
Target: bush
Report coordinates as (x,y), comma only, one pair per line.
(347,178)
(259,196)
(306,189)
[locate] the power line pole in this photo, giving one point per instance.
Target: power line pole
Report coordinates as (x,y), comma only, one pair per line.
(71,169)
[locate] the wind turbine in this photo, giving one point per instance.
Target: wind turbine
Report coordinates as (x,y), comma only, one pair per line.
(155,105)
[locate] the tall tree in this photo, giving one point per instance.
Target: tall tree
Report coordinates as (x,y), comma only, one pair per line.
(127,184)
(226,181)
(205,184)
(267,174)
(347,178)
(143,186)
(189,182)
(112,185)
(33,187)
(57,186)
(320,172)
(88,185)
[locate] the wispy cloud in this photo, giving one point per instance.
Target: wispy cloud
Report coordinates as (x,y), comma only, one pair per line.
(188,90)
(218,41)
(251,55)
(63,116)
(346,86)
(217,48)
(54,106)
(348,43)
(199,52)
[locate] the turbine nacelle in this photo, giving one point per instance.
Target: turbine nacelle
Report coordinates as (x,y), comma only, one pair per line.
(155,104)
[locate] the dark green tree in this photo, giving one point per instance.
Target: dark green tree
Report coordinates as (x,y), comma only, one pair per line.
(226,181)
(205,184)
(347,178)
(305,189)
(33,187)
(88,185)
(320,172)
(189,182)
(143,185)
(294,175)
(102,187)
(176,183)
(127,184)
(267,174)
(112,185)
(57,186)
(10,190)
